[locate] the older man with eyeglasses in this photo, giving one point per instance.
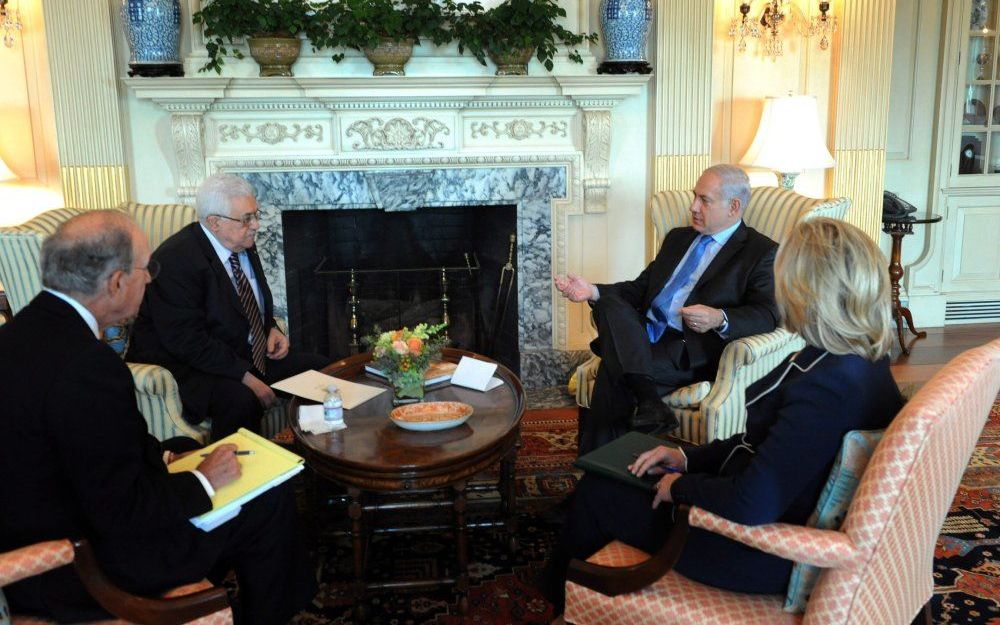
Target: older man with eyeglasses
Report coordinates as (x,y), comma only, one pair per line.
(208,317)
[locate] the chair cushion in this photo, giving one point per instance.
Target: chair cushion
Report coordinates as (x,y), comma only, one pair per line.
(672,599)
(117,336)
(832,507)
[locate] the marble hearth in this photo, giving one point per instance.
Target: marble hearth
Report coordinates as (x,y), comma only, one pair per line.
(531,189)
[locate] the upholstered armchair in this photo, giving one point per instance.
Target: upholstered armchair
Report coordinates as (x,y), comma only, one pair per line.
(199,603)
(155,388)
(711,410)
(876,568)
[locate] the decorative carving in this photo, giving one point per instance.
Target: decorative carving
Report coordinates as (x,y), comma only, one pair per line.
(518,129)
(397,133)
(271,133)
(597,151)
(187,130)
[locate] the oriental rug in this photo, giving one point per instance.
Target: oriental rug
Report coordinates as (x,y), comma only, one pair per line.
(966,565)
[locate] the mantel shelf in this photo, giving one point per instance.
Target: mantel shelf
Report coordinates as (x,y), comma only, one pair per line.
(548,89)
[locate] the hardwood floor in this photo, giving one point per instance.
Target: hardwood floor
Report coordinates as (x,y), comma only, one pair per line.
(941,345)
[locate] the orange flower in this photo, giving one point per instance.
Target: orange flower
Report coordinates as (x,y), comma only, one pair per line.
(398,334)
(415,345)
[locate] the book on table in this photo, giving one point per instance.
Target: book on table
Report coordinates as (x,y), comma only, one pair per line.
(612,460)
(266,466)
(440,371)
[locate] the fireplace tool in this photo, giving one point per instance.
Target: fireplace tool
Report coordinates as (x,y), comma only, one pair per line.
(503,296)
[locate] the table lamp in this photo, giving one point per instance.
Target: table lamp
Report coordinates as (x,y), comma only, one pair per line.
(788,139)
(6,174)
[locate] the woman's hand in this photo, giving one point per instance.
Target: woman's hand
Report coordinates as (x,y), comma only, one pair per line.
(657,461)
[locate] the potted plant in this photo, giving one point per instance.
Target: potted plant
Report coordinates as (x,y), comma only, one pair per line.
(512,32)
(272,29)
(385,30)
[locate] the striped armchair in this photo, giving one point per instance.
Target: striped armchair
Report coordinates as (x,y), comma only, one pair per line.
(155,388)
(711,410)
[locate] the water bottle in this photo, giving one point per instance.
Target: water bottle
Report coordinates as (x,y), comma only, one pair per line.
(333,405)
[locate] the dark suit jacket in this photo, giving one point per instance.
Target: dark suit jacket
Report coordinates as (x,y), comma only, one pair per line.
(75,454)
(739,280)
(796,430)
(191,320)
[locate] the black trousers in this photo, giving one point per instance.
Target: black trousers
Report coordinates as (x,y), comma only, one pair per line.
(624,348)
(232,405)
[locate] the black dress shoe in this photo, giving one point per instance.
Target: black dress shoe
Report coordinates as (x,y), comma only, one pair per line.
(656,415)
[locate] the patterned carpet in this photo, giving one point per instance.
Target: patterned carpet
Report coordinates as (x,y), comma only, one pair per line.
(967,555)
(967,559)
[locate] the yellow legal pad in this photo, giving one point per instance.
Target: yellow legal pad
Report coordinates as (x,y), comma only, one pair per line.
(268,466)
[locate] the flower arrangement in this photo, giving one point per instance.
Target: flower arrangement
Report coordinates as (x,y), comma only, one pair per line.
(404,355)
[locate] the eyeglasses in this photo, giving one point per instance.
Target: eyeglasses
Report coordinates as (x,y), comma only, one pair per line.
(152,268)
(245,220)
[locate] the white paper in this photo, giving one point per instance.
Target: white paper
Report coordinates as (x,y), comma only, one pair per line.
(311,420)
(474,374)
(494,382)
(312,385)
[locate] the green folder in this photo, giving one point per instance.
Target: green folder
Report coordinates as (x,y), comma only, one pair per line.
(612,460)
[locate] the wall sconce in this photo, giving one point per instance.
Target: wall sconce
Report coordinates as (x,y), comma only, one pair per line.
(772,18)
(788,139)
(10,23)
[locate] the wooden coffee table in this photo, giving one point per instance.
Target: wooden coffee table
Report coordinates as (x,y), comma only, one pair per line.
(375,459)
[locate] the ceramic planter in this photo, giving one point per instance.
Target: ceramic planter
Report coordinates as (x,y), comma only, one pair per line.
(153,31)
(389,57)
(512,62)
(275,54)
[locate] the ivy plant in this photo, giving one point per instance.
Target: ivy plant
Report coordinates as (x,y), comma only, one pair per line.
(227,20)
(513,25)
(361,24)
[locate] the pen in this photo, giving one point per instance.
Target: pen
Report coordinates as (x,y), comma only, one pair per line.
(666,468)
(248,452)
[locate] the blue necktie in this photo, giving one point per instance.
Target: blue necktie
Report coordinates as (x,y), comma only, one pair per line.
(659,310)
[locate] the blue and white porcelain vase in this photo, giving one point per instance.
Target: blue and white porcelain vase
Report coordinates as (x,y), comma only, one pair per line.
(625,24)
(153,30)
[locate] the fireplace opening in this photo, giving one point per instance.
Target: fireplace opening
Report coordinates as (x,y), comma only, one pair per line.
(393,269)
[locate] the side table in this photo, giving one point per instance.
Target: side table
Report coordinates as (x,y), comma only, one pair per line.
(897,229)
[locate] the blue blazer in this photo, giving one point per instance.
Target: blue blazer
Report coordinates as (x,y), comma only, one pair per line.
(797,416)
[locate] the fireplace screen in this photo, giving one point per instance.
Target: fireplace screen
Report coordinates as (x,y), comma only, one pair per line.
(350,271)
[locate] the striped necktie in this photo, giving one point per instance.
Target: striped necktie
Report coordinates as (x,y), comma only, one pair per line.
(659,310)
(258,344)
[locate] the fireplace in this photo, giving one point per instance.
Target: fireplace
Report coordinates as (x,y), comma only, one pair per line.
(350,271)
(441,191)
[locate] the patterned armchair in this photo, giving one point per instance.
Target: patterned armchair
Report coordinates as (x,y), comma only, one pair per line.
(199,603)
(876,568)
(155,388)
(711,410)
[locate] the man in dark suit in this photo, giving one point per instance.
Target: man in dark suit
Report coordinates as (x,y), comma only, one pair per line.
(709,284)
(78,462)
(209,318)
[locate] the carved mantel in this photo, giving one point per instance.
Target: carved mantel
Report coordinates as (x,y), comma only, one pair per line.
(493,119)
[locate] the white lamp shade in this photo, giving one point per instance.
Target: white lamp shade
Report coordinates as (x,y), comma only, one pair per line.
(789,139)
(5,172)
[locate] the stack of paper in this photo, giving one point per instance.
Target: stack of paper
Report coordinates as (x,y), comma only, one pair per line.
(312,385)
(265,467)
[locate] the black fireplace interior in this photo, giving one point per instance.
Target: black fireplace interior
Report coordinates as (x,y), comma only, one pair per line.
(398,260)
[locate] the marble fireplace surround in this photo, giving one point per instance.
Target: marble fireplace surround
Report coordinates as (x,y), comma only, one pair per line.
(541,143)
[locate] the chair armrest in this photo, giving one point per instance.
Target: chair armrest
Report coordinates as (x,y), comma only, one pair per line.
(585,375)
(743,362)
(689,396)
(18,564)
(618,580)
(160,403)
(281,324)
(823,548)
(124,605)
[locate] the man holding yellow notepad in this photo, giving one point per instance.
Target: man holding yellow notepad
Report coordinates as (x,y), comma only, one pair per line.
(78,462)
